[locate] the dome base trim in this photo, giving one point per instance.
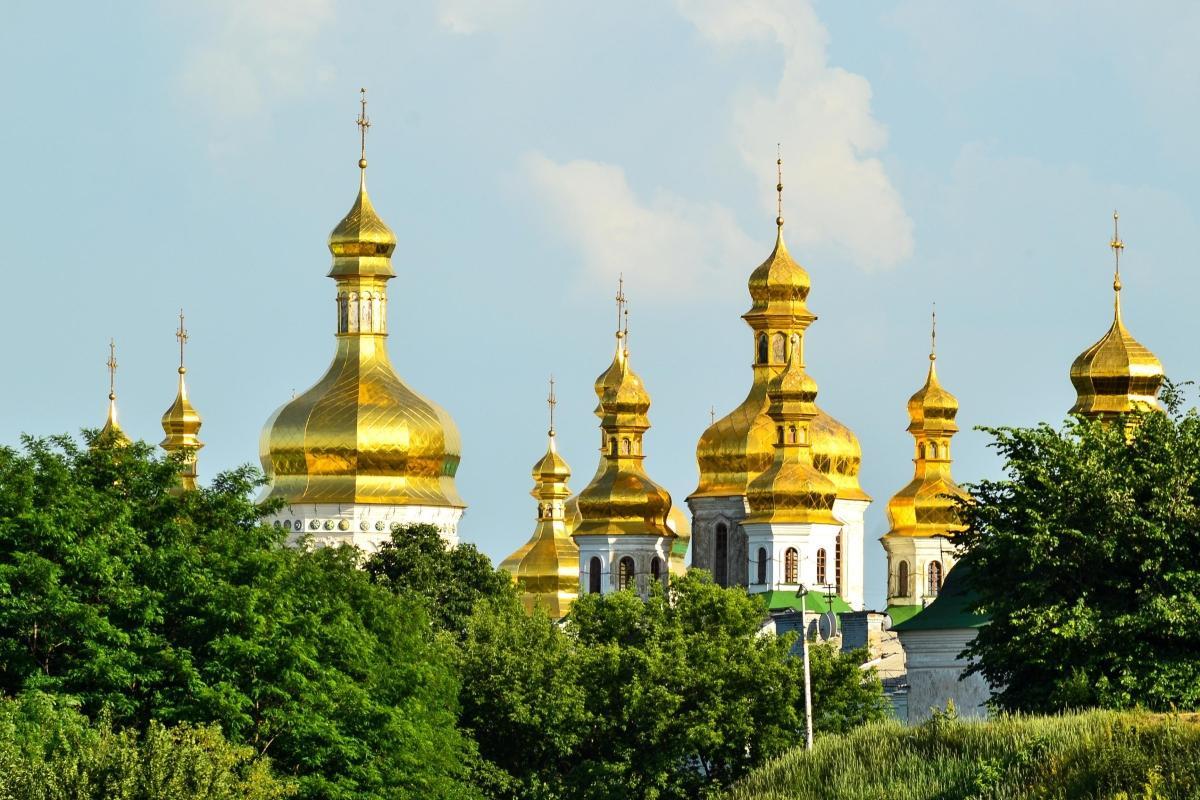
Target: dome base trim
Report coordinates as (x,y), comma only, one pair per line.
(362,525)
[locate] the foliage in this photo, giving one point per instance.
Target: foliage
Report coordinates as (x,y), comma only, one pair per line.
(448,581)
(146,604)
(674,697)
(49,751)
(1084,557)
(1101,754)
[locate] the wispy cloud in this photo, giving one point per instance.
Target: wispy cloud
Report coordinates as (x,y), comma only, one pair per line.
(842,197)
(472,16)
(254,53)
(666,242)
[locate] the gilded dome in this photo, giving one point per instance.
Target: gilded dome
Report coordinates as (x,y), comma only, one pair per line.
(1116,375)
(111,435)
(791,489)
(779,285)
(361,434)
(928,504)
(547,566)
(621,498)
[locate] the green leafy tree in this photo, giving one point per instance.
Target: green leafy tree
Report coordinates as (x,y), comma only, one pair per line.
(1085,557)
(449,581)
(50,751)
(146,604)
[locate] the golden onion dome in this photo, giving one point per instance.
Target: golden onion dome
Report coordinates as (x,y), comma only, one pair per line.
(181,422)
(928,505)
(792,490)
(1116,375)
(621,498)
(779,285)
(361,434)
(111,434)
(547,566)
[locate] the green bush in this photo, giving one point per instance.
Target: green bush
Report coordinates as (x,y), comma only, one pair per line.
(49,751)
(1099,754)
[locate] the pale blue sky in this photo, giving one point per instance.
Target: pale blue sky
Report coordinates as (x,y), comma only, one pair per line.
(159,154)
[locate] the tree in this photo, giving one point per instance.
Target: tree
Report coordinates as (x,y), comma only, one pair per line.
(146,604)
(1085,558)
(448,581)
(673,697)
(50,750)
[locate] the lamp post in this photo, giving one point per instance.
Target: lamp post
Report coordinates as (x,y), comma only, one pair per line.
(802,593)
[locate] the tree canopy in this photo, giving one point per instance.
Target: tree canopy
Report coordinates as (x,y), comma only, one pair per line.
(1086,557)
(145,604)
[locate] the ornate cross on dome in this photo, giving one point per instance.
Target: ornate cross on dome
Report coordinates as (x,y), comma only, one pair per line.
(620,301)
(1117,246)
(363,123)
(112,369)
(552,402)
(182,336)
(933,334)
(778,185)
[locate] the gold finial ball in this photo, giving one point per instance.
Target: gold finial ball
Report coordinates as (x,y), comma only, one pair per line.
(362,163)
(779,221)
(1117,284)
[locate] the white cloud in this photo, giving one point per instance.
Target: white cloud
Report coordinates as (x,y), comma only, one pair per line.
(255,52)
(840,195)
(667,244)
(471,16)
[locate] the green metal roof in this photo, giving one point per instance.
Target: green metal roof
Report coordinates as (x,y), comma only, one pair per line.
(949,610)
(780,600)
(902,613)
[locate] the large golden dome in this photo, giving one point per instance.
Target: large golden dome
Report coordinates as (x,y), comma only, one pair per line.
(791,489)
(361,434)
(1116,375)
(741,445)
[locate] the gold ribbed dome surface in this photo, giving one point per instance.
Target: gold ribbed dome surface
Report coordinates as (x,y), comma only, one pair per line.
(791,489)
(927,505)
(361,434)
(1116,375)
(621,498)
(741,445)
(547,566)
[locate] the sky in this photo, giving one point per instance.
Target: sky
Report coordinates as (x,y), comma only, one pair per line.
(165,154)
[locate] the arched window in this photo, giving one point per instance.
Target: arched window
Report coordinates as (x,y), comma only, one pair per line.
(821,565)
(721,555)
(762,348)
(935,577)
(920,451)
(933,449)
(656,568)
(837,562)
(625,573)
(762,565)
(594,575)
(626,447)
(791,566)
(779,348)
(791,434)
(612,446)
(902,588)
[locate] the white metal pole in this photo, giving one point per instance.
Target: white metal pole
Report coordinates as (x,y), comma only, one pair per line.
(808,725)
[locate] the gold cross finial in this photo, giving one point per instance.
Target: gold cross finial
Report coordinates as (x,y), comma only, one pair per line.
(933,334)
(552,402)
(182,336)
(1117,246)
(712,415)
(620,301)
(112,369)
(363,124)
(779,185)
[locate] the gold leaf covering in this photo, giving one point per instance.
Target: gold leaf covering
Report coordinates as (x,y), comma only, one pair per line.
(926,506)
(361,435)
(741,445)
(181,423)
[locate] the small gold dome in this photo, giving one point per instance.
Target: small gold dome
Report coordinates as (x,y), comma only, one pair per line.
(621,498)
(779,285)
(361,434)
(928,505)
(792,490)
(547,566)
(111,434)
(1116,375)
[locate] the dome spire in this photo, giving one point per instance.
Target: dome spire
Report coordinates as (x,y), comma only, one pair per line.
(933,333)
(111,433)
(1117,246)
(778,185)
(363,122)
(181,422)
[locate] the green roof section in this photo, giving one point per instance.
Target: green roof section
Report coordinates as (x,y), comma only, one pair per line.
(814,601)
(950,610)
(902,613)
